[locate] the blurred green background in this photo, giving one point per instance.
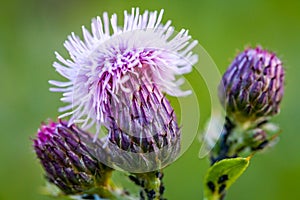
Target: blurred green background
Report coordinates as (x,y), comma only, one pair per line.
(31,30)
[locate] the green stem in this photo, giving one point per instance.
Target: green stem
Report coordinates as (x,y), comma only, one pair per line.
(222,148)
(151,185)
(222,197)
(106,188)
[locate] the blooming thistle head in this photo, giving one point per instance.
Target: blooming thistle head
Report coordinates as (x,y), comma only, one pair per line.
(68,158)
(104,61)
(252,87)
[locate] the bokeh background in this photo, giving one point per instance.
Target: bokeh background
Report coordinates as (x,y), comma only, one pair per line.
(31,30)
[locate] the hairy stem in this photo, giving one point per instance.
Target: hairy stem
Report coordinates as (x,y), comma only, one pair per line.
(222,148)
(151,184)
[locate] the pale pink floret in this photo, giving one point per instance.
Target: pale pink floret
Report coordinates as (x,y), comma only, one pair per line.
(102,62)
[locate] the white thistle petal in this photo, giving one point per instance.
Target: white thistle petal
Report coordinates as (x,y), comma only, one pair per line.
(103,63)
(59,83)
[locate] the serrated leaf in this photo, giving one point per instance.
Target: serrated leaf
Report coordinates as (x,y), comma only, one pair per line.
(222,175)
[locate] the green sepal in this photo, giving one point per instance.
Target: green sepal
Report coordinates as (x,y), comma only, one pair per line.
(222,175)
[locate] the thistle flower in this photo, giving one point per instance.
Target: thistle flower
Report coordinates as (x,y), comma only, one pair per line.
(68,157)
(252,87)
(143,130)
(103,62)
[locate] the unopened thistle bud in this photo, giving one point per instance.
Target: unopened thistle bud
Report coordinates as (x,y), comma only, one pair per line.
(252,87)
(67,155)
(144,129)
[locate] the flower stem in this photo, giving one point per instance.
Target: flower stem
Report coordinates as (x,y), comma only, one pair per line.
(151,184)
(222,148)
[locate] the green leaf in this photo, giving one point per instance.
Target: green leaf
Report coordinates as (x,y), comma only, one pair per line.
(222,175)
